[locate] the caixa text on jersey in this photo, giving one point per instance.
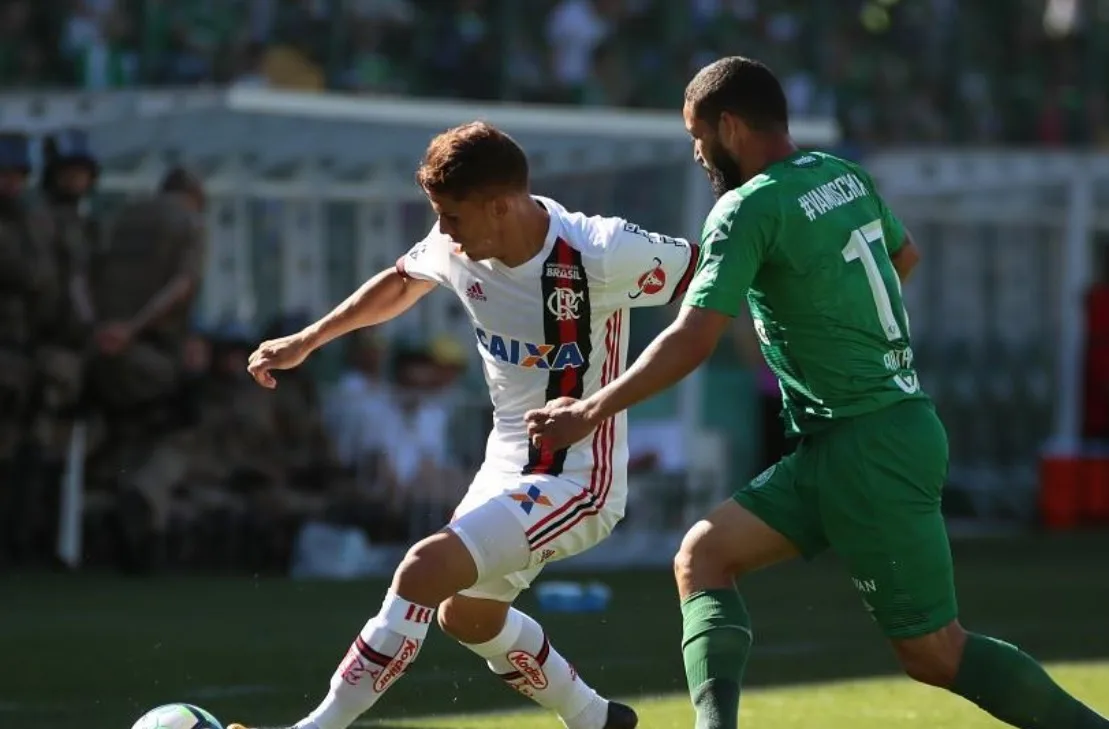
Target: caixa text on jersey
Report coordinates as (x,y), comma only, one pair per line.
(529,354)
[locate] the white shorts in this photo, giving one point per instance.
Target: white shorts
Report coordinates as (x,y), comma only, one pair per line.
(514,525)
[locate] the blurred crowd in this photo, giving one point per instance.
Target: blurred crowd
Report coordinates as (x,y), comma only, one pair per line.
(184,459)
(892,71)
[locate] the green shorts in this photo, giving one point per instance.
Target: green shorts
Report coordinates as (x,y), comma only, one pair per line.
(869,488)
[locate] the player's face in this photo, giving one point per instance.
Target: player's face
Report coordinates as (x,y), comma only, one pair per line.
(472,223)
(710,152)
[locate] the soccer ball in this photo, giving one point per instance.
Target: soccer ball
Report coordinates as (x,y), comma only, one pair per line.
(177,716)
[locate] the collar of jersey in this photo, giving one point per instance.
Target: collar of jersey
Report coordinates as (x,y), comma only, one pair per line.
(554,227)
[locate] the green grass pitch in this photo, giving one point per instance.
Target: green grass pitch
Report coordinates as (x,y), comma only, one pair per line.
(860,704)
(94,651)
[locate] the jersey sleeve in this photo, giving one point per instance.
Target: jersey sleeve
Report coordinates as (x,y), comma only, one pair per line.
(428,260)
(648,269)
(734,244)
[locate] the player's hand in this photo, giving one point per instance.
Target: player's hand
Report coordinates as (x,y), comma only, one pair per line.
(277,354)
(559,424)
(113,337)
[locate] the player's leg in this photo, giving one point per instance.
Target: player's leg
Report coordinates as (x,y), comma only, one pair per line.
(518,651)
(513,645)
(881,505)
(766,522)
(433,570)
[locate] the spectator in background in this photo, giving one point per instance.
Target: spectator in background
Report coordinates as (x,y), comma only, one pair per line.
(250,68)
(196,368)
(379,38)
(229,459)
(415,468)
(24,61)
(99,45)
(25,269)
(299,45)
(143,285)
(444,408)
(358,408)
(465,52)
(575,28)
(372,66)
(305,451)
(65,317)
(608,83)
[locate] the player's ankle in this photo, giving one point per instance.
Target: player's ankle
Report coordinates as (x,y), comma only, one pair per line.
(594,715)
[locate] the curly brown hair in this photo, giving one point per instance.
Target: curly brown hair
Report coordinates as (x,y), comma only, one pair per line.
(473,158)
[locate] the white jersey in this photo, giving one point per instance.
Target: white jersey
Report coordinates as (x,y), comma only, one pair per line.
(557,326)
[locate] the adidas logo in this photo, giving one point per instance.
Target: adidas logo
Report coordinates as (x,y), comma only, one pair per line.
(475,292)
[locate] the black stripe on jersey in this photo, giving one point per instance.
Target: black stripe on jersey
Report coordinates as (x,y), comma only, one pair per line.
(566,319)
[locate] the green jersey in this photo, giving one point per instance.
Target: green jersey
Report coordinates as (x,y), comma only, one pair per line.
(808,241)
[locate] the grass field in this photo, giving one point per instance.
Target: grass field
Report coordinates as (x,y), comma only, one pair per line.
(94,651)
(859,704)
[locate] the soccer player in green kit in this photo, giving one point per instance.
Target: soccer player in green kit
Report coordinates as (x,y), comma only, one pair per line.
(820,258)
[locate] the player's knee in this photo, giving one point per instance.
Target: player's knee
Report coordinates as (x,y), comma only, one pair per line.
(933,670)
(434,569)
(471,621)
(700,562)
(933,659)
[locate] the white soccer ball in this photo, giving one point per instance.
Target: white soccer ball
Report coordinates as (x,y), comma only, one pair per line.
(177,716)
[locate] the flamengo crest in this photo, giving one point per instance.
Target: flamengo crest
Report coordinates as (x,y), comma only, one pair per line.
(565,303)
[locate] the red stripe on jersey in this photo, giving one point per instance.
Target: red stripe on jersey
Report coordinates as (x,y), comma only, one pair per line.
(589,502)
(599,442)
(683,283)
(603,467)
(563,326)
(611,373)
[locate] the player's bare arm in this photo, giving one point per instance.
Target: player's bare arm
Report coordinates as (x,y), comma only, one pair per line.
(679,350)
(906,258)
(385,296)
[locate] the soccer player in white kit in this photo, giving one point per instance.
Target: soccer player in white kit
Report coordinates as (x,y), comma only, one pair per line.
(548,292)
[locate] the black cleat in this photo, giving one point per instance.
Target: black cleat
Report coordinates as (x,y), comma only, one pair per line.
(621,716)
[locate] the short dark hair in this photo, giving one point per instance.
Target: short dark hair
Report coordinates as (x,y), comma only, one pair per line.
(474,157)
(184,181)
(742,86)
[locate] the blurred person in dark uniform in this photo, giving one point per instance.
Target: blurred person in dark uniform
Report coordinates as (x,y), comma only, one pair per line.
(312,476)
(65,315)
(24,276)
(144,282)
(143,288)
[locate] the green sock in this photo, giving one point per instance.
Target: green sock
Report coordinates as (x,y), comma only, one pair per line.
(716,639)
(1011,686)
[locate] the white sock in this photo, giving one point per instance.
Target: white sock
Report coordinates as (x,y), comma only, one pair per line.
(523,657)
(379,656)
